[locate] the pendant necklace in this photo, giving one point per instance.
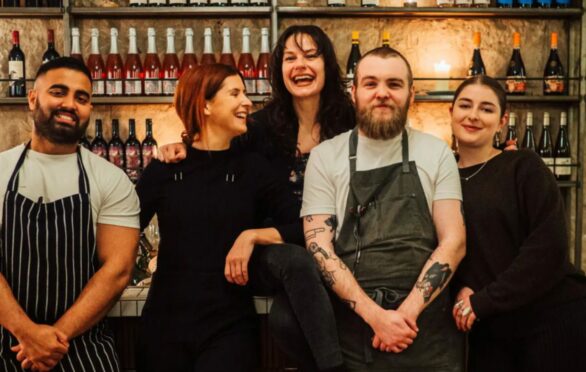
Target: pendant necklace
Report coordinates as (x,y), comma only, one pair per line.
(465,179)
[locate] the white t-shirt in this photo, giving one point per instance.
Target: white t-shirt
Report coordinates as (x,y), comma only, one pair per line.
(52,177)
(327,176)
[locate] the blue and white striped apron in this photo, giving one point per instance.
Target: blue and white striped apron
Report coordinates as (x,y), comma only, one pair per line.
(48,255)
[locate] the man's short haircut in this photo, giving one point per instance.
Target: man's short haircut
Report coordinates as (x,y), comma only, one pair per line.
(385,52)
(64,62)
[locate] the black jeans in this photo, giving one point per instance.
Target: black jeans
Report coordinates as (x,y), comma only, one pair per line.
(301,319)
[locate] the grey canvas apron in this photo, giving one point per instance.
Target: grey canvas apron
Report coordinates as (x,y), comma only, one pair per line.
(386,237)
(47,255)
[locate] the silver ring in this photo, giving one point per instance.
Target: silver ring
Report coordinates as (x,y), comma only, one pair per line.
(466,311)
(459,304)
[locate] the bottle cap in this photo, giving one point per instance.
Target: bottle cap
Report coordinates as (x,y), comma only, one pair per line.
(15,37)
(245,31)
(226,32)
(264,31)
(95,32)
(189,31)
(476,39)
(386,36)
(74,31)
(132,32)
(512,119)
(170,32)
(355,35)
(546,118)
(529,119)
(50,36)
(516,40)
(564,118)
(207,31)
(151,31)
(113,32)
(554,39)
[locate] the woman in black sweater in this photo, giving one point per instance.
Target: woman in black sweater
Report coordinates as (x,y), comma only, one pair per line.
(518,295)
(211,208)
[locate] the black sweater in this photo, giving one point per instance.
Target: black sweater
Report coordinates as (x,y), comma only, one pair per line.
(517,245)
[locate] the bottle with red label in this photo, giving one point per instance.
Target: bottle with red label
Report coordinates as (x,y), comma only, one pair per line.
(133,72)
(263,86)
(132,153)
(153,86)
(208,56)
(16,68)
(516,77)
(227,58)
(189,59)
(114,67)
(554,75)
(170,65)
(75,49)
(116,146)
(246,63)
(149,145)
(95,64)
(99,146)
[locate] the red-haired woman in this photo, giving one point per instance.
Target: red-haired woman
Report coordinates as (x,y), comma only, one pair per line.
(209,206)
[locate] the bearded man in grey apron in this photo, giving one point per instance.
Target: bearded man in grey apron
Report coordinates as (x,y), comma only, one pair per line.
(390,259)
(59,271)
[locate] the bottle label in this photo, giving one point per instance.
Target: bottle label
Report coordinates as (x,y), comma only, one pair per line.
(115,156)
(137,2)
(15,70)
(169,86)
(177,2)
(114,87)
(506,3)
(239,2)
(157,2)
(464,2)
(98,88)
(259,2)
(148,152)
(100,151)
(133,87)
(441,3)
(153,87)
(526,3)
(562,167)
(554,84)
(250,85)
(222,2)
(550,162)
(515,84)
(482,2)
(263,86)
(336,2)
(133,162)
(369,2)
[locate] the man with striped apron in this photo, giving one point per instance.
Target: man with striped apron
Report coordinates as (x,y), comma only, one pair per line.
(391,258)
(59,271)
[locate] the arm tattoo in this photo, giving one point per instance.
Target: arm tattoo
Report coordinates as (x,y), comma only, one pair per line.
(433,280)
(351,304)
(314,249)
(332,222)
(311,234)
(327,275)
(309,218)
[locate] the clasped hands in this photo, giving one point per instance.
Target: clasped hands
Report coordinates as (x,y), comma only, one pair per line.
(40,347)
(394,330)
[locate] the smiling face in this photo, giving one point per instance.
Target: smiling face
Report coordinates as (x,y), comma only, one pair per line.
(60,102)
(303,69)
(227,111)
(476,116)
(382,96)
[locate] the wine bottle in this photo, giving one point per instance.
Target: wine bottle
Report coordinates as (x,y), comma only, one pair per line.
(133,72)
(226,57)
(208,56)
(33,3)
(516,77)
(84,142)
(410,3)
(239,2)
(152,67)
(114,67)
(445,3)
(562,153)
(149,145)
(54,3)
(99,146)
(263,85)
(198,2)
(170,65)
(476,64)
(386,39)
(218,2)
(353,59)
(463,3)
(132,153)
(259,2)
(189,59)
(525,3)
(246,63)
(336,3)
(75,49)
(563,3)
(11,3)
(116,146)
(157,2)
(16,68)
(50,54)
(481,3)
(137,3)
(545,149)
(554,75)
(177,2)
(511,139)
(369,3)
(504,3)
(96,66)
(529,139)
(544,3)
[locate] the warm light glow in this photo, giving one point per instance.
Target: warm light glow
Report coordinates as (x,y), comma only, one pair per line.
(442,70)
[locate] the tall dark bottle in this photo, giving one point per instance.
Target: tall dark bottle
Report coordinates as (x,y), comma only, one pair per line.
(132,153)
(529,139)
(50,54)
(116,146)
(511,139)
(353,58)
(54,3)
(476,64)
(84,142)
(11,3)
(149,145)
(496,141)
(16,69)
(99,146)
(33,3)
(554,75)
(562,153)
(516,76)
(545,148)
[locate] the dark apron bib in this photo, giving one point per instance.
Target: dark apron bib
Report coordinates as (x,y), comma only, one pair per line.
(48,255)
(387,236)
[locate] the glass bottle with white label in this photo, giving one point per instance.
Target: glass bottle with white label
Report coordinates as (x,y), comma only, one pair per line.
(263,85)
(114,65)
(463,3)
(133,71)
(545,148)
(95,64)
(177,2)
(369,3)
(170,65)
(75,49)
(246,63)
(16,68)
(152,67)
(445,3)
(336,3)
(562,153)
(481,3)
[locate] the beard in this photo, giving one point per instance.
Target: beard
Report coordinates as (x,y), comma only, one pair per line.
(62,134)
(382,128)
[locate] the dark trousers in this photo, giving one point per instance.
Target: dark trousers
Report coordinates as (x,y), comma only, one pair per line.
(301,319)
(234,350)
(555,345)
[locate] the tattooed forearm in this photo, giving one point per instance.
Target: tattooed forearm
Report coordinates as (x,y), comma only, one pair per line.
(314,249)
(433,280)
(351,304)
(309,218)
(332,222)
(327,275)
(312,234)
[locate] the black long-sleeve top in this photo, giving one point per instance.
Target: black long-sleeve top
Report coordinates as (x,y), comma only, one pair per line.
(517,245)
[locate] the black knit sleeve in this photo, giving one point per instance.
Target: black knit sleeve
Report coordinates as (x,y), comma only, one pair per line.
(149,190)
(540,262)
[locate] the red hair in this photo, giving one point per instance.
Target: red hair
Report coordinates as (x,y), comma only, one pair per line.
(194,88)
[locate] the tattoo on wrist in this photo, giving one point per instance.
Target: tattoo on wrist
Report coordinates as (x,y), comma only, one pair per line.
(351,304)
(434,280)
(327,275)
(311,234)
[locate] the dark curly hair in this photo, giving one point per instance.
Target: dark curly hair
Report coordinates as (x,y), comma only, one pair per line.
(336,112)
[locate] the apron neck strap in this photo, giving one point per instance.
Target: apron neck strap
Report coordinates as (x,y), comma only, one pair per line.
(405,152)
(353,146)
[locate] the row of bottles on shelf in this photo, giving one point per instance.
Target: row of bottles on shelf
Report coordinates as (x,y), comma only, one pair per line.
(557,157)
(130,155)
(135,78)
(553,75)
(462,3)
(143,3)
(33,3)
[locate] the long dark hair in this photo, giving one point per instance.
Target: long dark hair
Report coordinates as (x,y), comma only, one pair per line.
(488,82)
(336,112)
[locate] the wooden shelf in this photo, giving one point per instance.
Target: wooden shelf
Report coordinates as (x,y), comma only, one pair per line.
(31,12)
(510,99)
(204,11)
